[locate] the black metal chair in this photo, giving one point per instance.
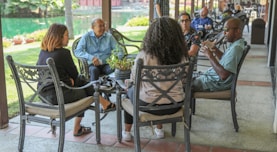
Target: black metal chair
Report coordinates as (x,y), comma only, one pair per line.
(125,42)
(83,64)
(152,75)
(36,108)
(229,94)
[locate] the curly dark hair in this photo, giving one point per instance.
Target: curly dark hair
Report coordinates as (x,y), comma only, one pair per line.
(164,40)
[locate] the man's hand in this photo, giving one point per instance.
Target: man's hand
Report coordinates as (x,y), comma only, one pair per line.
(95,61)
(206,51)
(209,44)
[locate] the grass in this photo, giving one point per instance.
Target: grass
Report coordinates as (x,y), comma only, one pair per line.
(29,55)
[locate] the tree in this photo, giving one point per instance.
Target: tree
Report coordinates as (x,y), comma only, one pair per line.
(68,18)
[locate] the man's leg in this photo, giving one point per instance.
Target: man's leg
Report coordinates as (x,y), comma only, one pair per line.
(94,73)
(106,69)
(197,85)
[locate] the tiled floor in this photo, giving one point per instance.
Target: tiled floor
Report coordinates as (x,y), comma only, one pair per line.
(148,145)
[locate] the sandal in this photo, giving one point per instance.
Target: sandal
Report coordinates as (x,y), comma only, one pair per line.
(110,107)
(82,131)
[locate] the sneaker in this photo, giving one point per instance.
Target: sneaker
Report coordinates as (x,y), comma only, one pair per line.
(159,133)
(126,136)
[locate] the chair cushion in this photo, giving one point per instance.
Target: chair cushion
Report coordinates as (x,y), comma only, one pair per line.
(144,116)
(226,94)
(70,108)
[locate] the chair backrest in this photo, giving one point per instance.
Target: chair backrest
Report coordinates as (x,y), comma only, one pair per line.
(122,41)
(245,52)
(167,76)
(27,78)
(83,64)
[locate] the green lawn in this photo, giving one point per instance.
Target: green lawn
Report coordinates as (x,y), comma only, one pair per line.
(30,55)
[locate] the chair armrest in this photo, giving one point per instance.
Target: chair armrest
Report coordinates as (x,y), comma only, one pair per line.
(123,85)
(91,83)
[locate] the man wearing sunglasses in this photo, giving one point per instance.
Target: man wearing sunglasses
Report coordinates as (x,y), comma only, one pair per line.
(219,76)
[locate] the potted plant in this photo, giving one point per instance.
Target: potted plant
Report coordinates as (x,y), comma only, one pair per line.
(121,65)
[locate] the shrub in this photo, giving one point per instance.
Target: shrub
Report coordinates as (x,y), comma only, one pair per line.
(138,21)
(6,43)
(38,35)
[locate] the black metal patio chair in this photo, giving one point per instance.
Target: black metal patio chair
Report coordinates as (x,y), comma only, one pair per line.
(229,94)
(36,108)
(165,74)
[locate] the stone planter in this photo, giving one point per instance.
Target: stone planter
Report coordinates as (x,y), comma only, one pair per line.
(17,41)
(122,74)
(29,40)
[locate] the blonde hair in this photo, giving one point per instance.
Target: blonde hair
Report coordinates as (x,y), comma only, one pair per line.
(238,7)
(54,37)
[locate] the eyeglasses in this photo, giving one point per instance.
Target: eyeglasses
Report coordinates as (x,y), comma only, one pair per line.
(186,20)
(225,29)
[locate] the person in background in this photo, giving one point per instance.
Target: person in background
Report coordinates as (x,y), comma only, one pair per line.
(161,8)
(238,11)
(96,47)
(203,23)
(191,37)
(52,46)
(219,76)
(171,49)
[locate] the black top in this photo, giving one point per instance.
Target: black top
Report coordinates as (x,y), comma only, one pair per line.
(63,61)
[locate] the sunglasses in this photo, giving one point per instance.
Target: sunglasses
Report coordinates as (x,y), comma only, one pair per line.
(225,29)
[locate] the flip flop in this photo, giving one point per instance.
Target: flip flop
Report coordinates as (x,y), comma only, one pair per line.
(82,131)
(110,107)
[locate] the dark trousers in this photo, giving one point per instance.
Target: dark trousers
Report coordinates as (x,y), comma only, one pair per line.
(96,71)
(69,94)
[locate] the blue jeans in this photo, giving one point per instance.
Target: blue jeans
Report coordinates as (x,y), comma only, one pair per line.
(96,71)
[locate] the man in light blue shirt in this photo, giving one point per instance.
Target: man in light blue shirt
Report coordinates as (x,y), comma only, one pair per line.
(96,46)
(220,75)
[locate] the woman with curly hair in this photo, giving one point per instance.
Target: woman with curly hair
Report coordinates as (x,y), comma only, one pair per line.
(163,44)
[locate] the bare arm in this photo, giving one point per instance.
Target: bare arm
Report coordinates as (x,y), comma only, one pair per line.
(158,9)
(193,50)
(219,69)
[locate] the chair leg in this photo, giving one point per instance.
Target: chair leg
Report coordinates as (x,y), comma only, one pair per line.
(173,129)
(137,138)
(234,114)
(22,134)
(187,139)
(119,117)
(193,105)
(61,136)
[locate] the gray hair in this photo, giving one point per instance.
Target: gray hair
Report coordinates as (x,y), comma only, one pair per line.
(94,20)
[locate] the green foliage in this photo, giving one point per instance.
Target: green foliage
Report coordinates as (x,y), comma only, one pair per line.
(38,35)
(6,43)
(138,21)
(116,63)
(14,6)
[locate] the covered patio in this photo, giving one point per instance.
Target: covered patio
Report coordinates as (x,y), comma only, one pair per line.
(211,127)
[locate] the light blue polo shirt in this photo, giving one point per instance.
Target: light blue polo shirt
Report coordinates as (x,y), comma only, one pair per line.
(230,60)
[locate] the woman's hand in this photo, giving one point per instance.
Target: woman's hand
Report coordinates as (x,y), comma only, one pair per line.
(72,82)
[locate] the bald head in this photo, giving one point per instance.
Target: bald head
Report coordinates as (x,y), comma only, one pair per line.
(204,12)
(235,22)
(233,29)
